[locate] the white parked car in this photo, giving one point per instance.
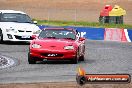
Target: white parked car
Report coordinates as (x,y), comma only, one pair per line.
(16,26)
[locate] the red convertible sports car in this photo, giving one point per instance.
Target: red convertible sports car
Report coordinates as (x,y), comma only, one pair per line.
(57,44)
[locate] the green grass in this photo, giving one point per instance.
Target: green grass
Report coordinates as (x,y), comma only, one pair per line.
(81,23)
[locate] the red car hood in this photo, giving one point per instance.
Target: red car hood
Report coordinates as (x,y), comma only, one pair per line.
(54,43)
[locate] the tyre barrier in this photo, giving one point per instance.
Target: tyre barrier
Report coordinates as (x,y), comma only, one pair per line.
(7,62)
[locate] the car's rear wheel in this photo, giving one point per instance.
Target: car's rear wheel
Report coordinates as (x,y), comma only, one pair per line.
(1,37)
(30,60)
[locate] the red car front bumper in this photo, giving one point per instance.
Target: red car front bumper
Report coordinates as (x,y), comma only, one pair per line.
(43,54)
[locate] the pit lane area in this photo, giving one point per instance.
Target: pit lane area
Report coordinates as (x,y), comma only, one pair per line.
(101,57)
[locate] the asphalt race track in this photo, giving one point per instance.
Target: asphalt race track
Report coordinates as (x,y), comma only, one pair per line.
(101,57)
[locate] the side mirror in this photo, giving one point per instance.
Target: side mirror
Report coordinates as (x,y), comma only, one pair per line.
(34,36)
(81,39)
(35,22)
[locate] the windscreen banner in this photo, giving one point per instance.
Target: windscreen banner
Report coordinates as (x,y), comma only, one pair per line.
(107,34)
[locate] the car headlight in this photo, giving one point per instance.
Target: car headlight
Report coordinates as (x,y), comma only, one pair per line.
(11,30)
(36,46)
(37,32)
(69,47)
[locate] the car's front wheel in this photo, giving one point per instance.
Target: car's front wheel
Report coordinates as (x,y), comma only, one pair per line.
(30,60)
(1,37)
(82,58)
(75,60)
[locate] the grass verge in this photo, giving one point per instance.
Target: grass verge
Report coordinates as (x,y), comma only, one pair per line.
(81,23)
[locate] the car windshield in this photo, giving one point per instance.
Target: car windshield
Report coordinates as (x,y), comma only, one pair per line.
(15,17)
(61,34)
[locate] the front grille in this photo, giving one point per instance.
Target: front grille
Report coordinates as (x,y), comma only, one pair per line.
(20,38)
(52,55)
(20,30)
(24,31)
(28,31)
